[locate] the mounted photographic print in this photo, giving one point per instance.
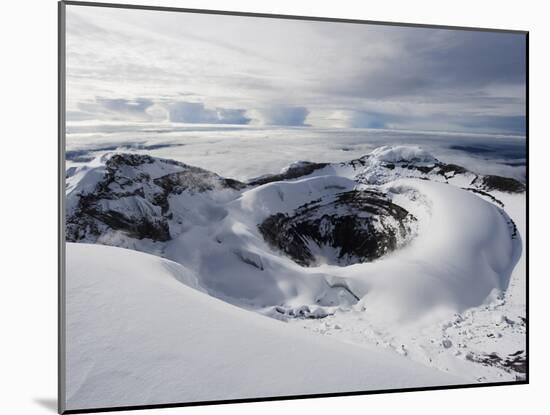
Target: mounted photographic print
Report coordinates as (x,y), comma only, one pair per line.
(259,207)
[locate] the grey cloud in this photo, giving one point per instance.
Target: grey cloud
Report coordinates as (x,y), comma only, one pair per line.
(455,69)
(378,76)
(232,116)
(197,113)
(508,124)
(112,109)
(480,123)
(478,58)
(137,106)
(285,115)
(79,115)
(368,120)
(453,63)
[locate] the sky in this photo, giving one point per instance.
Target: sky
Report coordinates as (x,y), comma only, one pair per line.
(165,67)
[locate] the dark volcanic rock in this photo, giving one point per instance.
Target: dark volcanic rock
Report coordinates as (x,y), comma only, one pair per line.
(353,227)
(195,180)
(445,169)
(488,195)
(128,200)
(503,184)
(293,172)
(514,362)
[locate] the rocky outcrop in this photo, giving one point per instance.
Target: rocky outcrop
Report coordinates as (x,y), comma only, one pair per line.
(133,195)
(295,171)
(499,183)
(353,227)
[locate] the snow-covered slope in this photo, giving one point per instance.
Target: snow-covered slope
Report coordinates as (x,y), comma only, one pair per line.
(411,246)
(137,334)
(483,343)
(396,238)
(139,196)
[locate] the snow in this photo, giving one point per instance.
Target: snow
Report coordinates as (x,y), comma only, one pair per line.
(395,154)
(137,334)
(496,326)
(452,294)
(284,197)
(271,150)
(462,253)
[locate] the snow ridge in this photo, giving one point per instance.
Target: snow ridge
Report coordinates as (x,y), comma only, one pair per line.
(396,236)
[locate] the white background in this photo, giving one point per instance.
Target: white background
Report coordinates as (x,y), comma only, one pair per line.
(28,229)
